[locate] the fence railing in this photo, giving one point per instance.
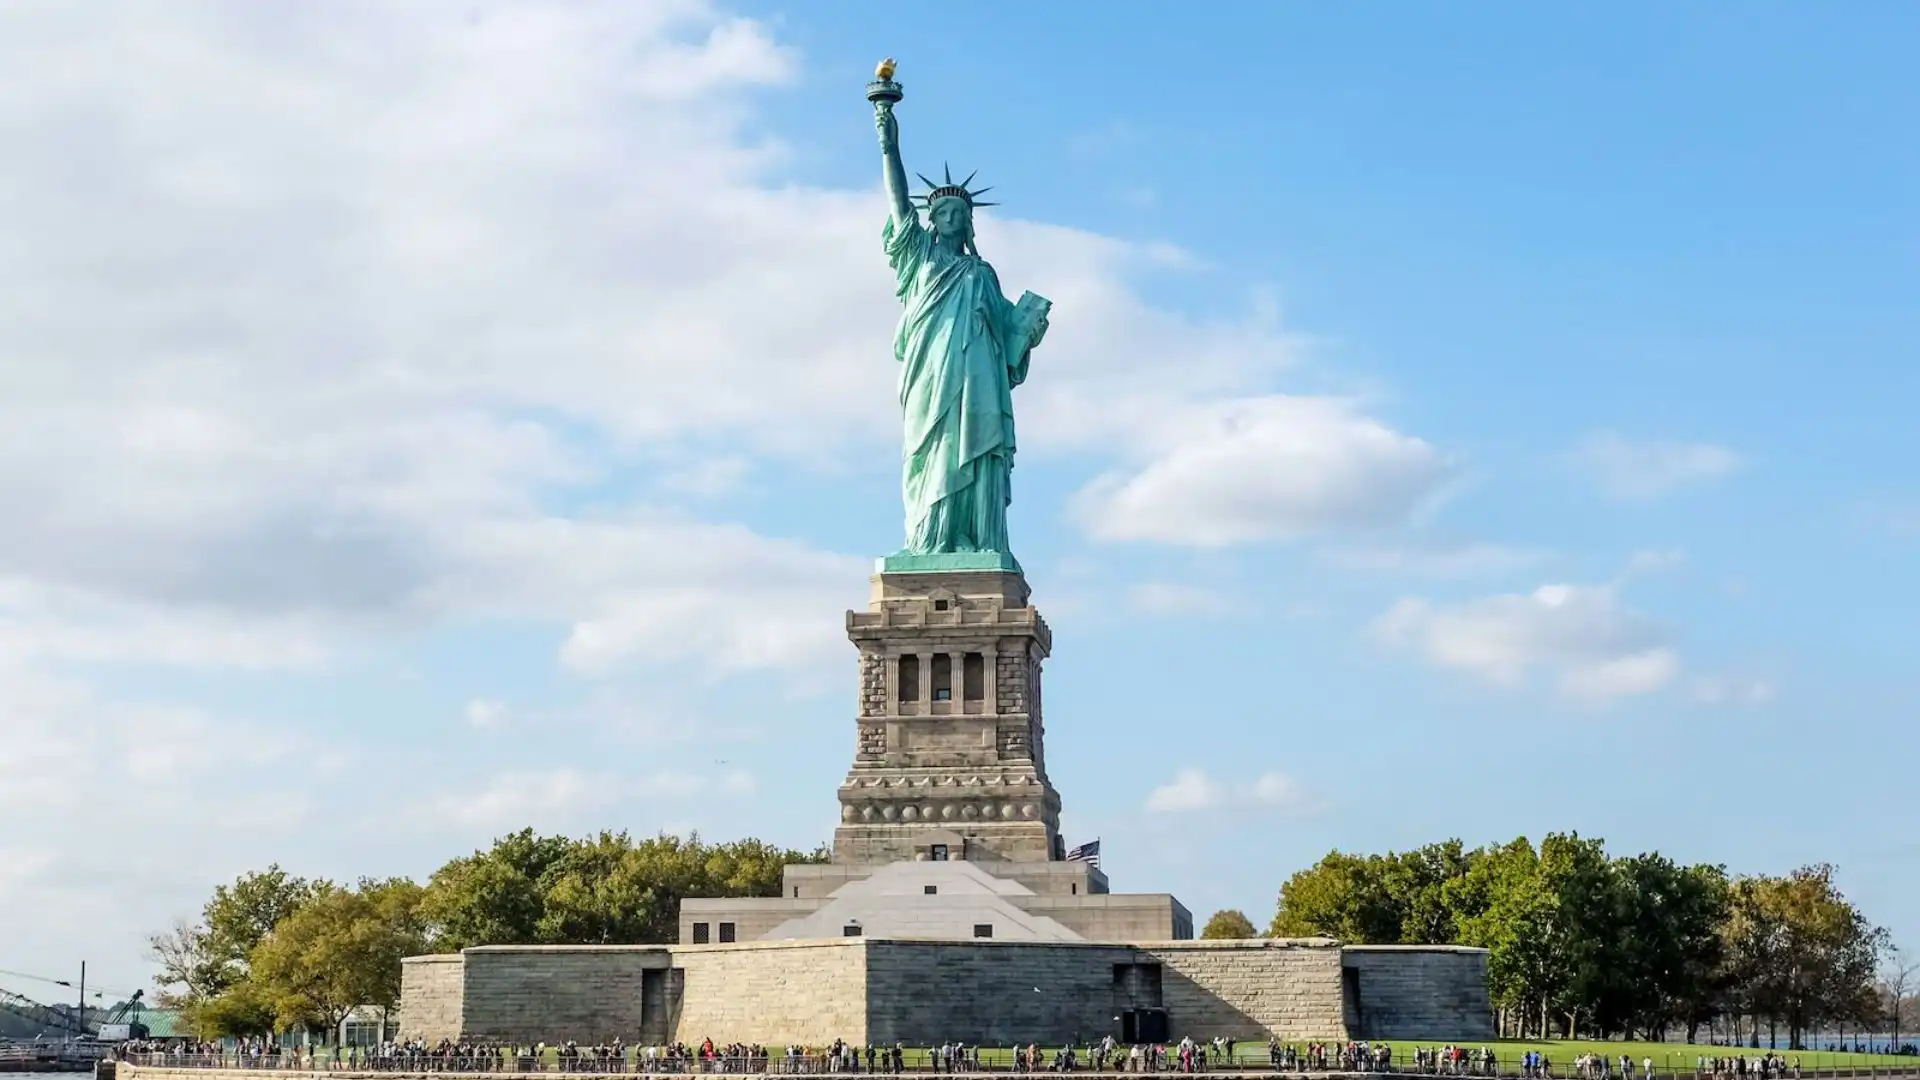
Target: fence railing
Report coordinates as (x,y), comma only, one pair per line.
(630,1061)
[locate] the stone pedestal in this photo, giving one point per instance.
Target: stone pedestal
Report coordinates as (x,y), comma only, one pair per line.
(951,749)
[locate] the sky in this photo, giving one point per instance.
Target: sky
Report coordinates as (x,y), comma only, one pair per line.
(419,422)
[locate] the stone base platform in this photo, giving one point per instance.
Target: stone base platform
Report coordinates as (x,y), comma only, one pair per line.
(880,991)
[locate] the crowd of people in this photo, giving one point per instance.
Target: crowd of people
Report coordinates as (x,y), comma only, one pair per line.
(1768,1066)
(841,1057)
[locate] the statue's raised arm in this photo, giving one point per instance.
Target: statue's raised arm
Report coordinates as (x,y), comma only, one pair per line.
(885,94)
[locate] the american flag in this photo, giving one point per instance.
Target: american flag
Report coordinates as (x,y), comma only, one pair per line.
(1088,853)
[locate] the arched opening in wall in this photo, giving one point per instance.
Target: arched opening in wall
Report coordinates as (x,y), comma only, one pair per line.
(973,677)
(909,678)
(942,677)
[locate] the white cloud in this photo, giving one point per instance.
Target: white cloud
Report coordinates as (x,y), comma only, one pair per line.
(1734,690)
(658,586)
(315,332)
(1192,790)
(1638,470)
(310,357)
(486,714)
(324,341)
(1265,468)
(1652,562)
(329,330)
(100,777)
(564,797)
(1282,791)
(1467,560)
(1594,647)
(1639,673)
(1172,598)
(514,799)
(708,476)
(46,623)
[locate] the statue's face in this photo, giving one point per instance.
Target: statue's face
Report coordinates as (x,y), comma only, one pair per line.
(952,218)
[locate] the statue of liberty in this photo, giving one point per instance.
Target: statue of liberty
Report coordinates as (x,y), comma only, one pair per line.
(962,348)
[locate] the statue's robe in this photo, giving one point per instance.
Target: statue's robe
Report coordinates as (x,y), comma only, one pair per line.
(961,354)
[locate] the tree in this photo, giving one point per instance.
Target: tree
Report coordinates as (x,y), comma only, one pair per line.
(1228,925)
(1666,952)
(1529,965)
(400,925)
(241,915)
(1586,942)
(1588,893)
(1700,981)
(604,889)
(1398,898)
(189,970)
(339,951)
(1800,952)
(1417,882)
(201,961)
(1898,976)
(237,1011)
(493,897)
(1343,897)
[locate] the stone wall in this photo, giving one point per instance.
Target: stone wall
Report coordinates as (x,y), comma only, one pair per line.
(1115,917)
(774,992)
(1288,989)
(432,993)
(998,993)
(990,993)
(752,917)
(588,993)
(1421,992)
(926,992)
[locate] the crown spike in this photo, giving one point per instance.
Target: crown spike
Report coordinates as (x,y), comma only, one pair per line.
(980,204)
(949,189)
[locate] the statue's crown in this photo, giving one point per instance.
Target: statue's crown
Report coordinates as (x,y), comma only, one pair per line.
(960,190)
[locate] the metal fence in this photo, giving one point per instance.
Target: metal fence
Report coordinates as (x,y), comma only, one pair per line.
(629,1060)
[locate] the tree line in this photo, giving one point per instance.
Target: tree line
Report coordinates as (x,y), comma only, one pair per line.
(276,952)
(1580,943)
(1584,944)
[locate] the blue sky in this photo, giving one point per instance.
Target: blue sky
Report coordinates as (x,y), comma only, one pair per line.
(1456,422)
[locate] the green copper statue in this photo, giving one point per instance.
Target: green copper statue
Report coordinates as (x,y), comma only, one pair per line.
(962,348)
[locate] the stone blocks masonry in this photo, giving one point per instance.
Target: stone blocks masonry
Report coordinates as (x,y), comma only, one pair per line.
(871,990)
